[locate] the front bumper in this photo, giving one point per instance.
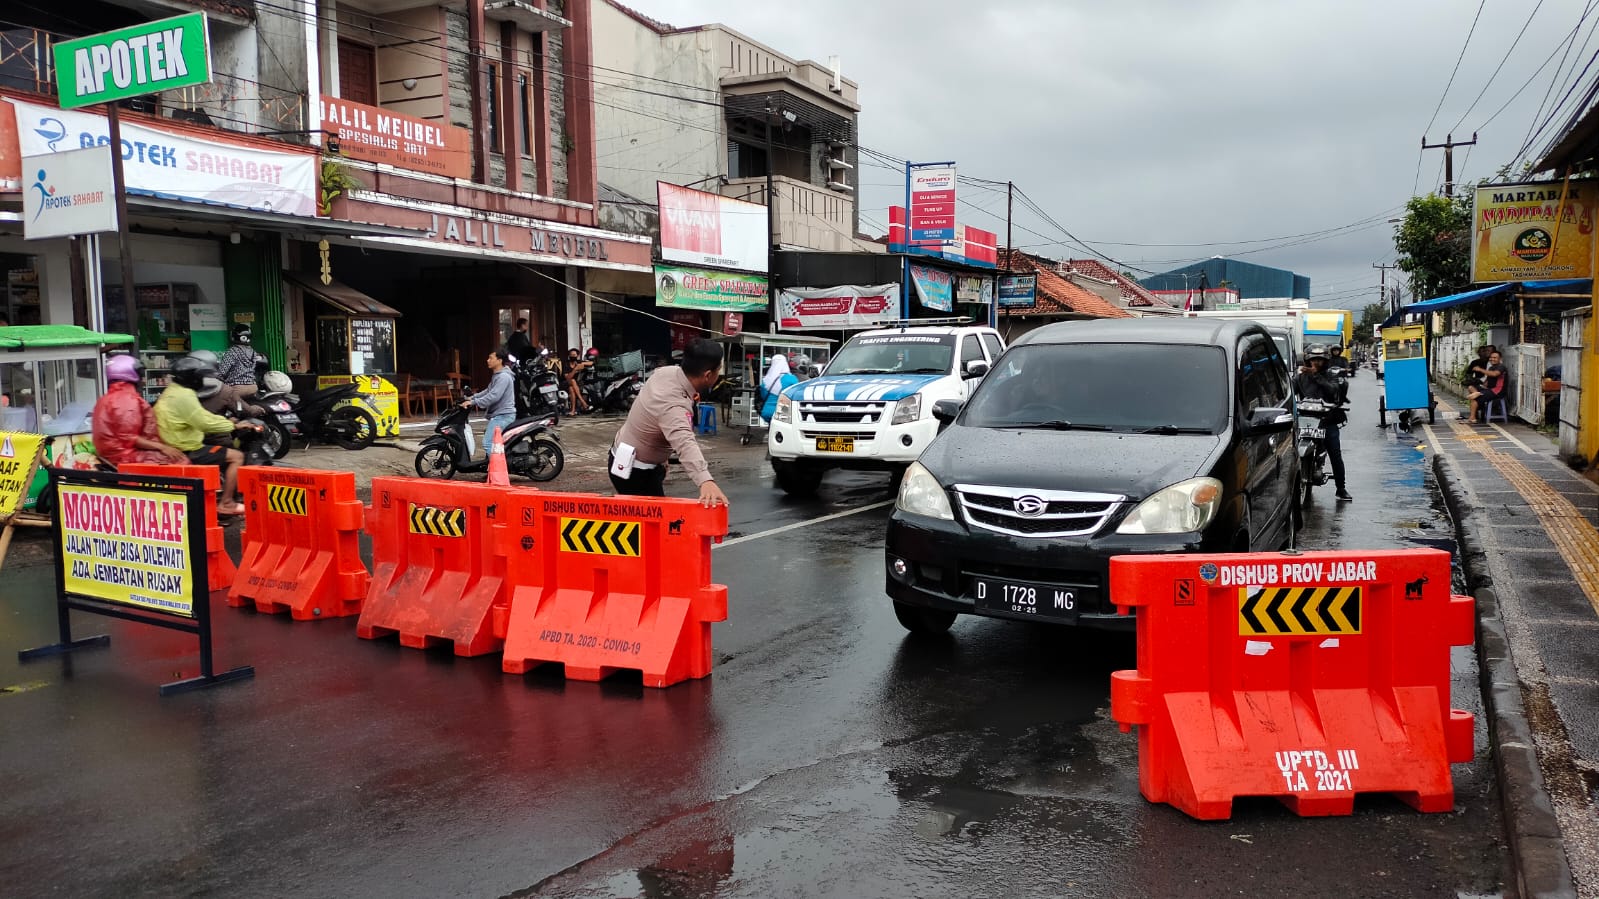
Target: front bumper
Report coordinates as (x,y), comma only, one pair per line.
(941,556)
(881,447)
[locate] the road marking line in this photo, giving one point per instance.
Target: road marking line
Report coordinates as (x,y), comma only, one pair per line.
(802,524)
(1568,530)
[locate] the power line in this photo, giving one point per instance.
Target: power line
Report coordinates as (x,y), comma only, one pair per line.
(1456,69)
(1502,61)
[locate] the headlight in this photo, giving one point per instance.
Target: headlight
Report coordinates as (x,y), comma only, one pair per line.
(909,409)
(1178,509)
(920,494)
(785,409)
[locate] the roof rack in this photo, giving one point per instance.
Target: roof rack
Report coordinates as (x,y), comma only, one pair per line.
(919,322)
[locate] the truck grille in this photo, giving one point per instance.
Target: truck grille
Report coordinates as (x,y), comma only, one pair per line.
(860,436)
(1035,513)
(842,413)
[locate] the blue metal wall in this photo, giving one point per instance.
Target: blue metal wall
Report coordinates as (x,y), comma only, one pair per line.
(1251,281)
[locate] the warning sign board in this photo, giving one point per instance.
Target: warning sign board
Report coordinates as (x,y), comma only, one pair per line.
(19,456)
(600,537)
(129,547)
(1298,611)
(286,500)
(438,522)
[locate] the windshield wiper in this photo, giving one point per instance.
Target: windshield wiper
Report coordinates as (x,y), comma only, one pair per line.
(923,371)
(1174,429)
(864,371)
(1061,424)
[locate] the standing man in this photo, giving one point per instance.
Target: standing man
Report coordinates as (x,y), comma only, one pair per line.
(123,423)
(519,345)
(498,400)
(1314,383)
(661,423)
(238,364)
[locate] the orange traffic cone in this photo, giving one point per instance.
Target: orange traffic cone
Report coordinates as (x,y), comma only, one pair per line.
(499,475)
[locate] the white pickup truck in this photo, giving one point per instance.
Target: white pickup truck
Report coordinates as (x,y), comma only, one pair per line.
(872,409)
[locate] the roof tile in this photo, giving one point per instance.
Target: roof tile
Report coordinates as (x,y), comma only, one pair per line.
(1056,295)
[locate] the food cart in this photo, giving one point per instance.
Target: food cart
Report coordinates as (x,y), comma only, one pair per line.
(747,356)
(1404,373)
(354,340)
(50,378)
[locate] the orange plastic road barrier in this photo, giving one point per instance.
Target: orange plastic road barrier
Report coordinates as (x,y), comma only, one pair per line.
(219,565)
(1308,677)
(438,564)
(604,584)
(301,544)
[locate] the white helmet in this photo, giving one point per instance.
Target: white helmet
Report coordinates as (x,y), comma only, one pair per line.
(278,382)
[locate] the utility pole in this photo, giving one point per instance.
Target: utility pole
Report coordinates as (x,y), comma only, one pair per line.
(1383,290)
(771,230)
(1448,147)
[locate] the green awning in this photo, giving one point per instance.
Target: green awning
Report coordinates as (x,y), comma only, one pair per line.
(27,337)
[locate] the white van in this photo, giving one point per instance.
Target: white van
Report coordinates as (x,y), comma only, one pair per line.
(872,409)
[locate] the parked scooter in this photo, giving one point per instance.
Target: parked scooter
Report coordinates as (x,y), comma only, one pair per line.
(322,418)
(532,449)
(538,388)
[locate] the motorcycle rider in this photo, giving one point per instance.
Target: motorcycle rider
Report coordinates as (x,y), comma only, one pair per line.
(498,400)
(1314,382)
(123,423)
(184,423)
(238,363)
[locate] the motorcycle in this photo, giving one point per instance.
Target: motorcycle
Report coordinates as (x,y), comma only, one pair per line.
(251,435)
(532,449)
(322,418)
(538,388)
(618,395)
(1311,444)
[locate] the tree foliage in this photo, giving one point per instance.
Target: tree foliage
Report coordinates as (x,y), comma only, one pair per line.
(1370,317)
(1434,245)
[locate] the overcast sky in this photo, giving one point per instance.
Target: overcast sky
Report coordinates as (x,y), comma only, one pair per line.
(1181,122)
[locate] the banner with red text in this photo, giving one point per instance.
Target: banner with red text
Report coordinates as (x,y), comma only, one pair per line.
(700,228)
(837,308)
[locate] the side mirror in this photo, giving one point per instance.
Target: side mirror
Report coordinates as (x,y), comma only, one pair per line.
(946,410)
(976,368)
(1270,420)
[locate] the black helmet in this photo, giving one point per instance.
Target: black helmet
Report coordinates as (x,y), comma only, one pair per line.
(1316,351)
(241,334)
(191,371)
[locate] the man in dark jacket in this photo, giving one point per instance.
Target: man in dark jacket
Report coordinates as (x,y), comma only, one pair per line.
(1314,383)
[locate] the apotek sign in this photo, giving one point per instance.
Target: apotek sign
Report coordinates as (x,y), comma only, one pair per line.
(68,193)
(170,163)
(143,59)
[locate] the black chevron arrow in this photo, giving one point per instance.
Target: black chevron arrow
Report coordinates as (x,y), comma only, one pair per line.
(631,535)
(1251,612)
(1297,600)
(1274,609)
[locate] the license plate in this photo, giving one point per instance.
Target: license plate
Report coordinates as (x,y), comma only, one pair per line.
(547,389)
(835,444)
(1313,433)
(1043,600)
(286,418)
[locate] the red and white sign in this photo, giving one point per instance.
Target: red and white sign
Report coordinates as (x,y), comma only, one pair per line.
(733,323)
(375,134)
(932,205)
(837,308)
(700,228)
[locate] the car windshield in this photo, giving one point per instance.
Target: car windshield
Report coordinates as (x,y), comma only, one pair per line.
(880,354)
(1136,387)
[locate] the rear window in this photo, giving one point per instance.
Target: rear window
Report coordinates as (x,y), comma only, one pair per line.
(923,354)
(1118,386)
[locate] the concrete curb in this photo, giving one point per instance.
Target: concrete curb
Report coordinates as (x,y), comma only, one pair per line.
(1537,852)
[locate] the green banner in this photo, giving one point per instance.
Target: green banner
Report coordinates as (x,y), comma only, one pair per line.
(129,62)
(700,288)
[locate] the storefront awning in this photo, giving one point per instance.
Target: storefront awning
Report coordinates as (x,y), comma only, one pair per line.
(24,337)
(1483,293)
(303,227)
(343,297)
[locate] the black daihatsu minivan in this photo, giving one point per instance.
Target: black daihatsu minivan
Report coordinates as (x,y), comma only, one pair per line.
(1089,440)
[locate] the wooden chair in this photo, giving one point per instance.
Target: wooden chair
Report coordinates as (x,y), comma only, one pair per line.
(410,398)
(451,392)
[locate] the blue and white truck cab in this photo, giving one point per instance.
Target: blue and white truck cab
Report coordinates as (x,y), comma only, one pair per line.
(872,408)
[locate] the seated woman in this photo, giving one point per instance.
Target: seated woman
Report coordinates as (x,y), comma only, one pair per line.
(1490,388)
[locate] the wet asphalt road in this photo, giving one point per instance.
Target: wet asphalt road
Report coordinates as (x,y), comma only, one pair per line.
(826,755)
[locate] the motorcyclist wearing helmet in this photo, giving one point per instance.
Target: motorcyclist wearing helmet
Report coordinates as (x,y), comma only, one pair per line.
(576,364)
(1314,383)
(238,363)
(185,424)
(123,424)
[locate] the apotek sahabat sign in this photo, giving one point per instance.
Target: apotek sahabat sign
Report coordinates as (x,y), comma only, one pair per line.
(130,62)
(68,193)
